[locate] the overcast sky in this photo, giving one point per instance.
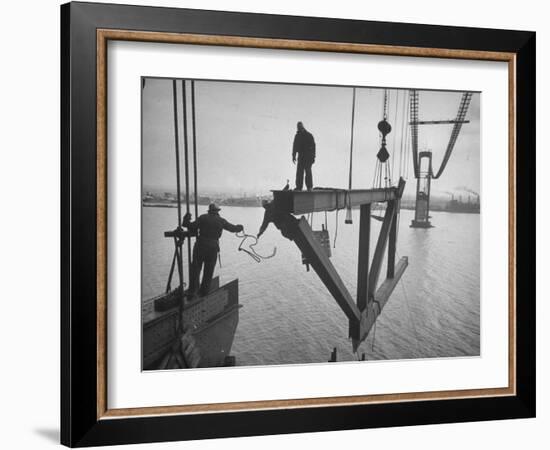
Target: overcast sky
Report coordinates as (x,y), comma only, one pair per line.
(245,133)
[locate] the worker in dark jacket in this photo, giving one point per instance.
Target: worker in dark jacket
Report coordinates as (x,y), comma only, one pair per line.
(283,221)
(304,147)
(208,228)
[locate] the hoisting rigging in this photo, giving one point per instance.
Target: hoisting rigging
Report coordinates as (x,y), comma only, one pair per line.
(382,177)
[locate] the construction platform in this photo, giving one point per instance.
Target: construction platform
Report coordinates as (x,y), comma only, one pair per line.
(363,309)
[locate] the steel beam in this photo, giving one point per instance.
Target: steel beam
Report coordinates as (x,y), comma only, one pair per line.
(392,247)
(317,257)
(389,217)
(305,202)
(381,297)
(363,257)
(362,265)
(362,315)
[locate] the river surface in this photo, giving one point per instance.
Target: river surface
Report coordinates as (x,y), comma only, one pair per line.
(289,317)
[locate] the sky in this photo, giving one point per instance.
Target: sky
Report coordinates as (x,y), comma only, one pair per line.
(245,130)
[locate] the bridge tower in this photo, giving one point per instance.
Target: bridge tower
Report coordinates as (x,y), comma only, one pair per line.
(425,176)
(423,185)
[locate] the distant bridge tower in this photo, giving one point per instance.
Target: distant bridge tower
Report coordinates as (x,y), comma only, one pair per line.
(423,185)
(424,177)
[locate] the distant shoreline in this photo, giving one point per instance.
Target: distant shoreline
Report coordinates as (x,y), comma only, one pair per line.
(248,205)
(175,205)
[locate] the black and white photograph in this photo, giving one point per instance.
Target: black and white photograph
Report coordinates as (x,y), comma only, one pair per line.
(277,224)
(297,224)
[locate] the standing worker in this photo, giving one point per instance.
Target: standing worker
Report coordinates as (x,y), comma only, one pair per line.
(208,228)
(304,146)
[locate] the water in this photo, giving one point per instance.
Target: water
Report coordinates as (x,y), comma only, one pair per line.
(289,317)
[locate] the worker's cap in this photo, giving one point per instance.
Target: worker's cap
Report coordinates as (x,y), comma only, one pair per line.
(213,208)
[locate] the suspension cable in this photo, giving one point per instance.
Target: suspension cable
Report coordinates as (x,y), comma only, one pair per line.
(460,116)
(413,109)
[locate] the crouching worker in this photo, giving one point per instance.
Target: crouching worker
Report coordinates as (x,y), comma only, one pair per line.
(283,221)
(208,228)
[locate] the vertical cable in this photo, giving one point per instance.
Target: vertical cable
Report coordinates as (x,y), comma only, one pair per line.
(349,219)
(404,127)
(194,149)
(408,143)
(351,140)
(395,132)
(176,138)
(186,149)
(185,142)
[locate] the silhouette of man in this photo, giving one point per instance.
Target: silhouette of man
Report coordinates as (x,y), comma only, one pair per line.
(284,222)
(205,251)
(304,147)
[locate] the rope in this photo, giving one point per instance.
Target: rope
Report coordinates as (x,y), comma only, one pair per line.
(252,252)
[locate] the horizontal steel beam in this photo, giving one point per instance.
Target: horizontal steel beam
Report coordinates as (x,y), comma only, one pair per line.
(304,202)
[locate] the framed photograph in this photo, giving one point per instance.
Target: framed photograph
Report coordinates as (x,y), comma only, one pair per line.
(277,224)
